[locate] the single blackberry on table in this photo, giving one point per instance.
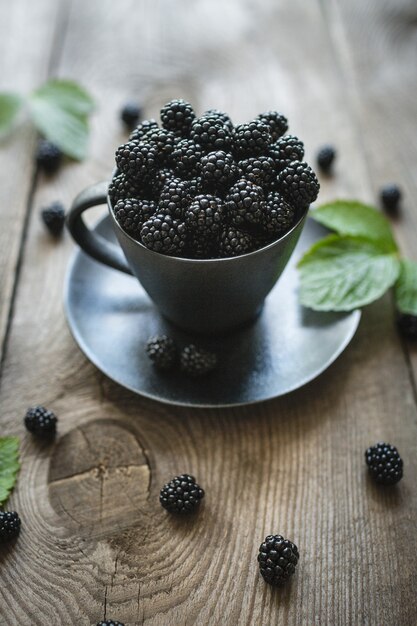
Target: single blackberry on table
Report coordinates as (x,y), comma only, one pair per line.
(298,184)
(48,156)
(164,234)
(9,525)
(220,115)
(196,361)
(40,421)
(277,559)
(122,186)
(181,495)
(218,171)
(259,170)
(287,149)
(162,351)
(234,242)
(251,139)
(204,215)
(390,197)
(130,114)
(277,122)
(132,213)
(139,160)
(53,217)
(245,203)
(325,157)
(164,141)
(186,158)
(175,197)
(141,131)
(407,325)
(110,622)
(278,216)
(177,116)
(212,133)
(384,463)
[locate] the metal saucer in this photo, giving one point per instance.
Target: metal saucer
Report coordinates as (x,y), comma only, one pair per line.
(111,318)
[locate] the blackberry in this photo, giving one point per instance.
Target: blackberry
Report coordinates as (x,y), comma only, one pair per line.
(277,559)
(384,463)
(245,203)
(390,197)
(162,233)
(186,158)
(218,171)
(220,115)
(299,184)
(286,150)
(164,141)
(140,132)
(130,114)
(234,242)
(160,179)
(259,170)
(204,215)
(178,116)
(279,215)
(110,622)
(162,351)
(181,495)
(48,156)
(212,133)
(199,247)
(139,160)
(53,217)
(407,325)
(251,139)
(132,213)
(194,186)
(40,421)
(175,197)
(325,157)
(277,122)
(121,187)
(9,525)
(197,362)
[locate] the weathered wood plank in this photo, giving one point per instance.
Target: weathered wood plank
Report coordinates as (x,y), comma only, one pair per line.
(26,34)
(95,540)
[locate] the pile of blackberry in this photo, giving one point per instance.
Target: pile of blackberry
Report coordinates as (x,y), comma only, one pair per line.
(202,188)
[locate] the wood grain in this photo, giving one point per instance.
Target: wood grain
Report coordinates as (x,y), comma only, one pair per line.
(95,541)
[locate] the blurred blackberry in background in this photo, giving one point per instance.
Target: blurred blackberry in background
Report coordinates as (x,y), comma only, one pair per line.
(197,362)
(177,116)
(162,351)
(132,213)
(130,114)
(299,184)
(277,122)
(9,525)
(390,196)
(325,158)
(164,234)
(53,216)
(212,133)
(40,421)
(407,325)
(251,139)
(48,156)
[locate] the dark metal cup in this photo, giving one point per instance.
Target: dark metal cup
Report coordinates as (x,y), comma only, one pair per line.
(202,296)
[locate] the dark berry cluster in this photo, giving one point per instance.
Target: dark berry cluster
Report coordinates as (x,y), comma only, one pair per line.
(202,188)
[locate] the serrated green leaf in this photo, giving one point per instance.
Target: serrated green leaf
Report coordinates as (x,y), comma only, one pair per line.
(60,110)
(10,104)
(406,288)
(9,465)
(341,273)
(349,217)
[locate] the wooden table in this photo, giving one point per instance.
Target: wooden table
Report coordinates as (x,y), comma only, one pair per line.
(95,541)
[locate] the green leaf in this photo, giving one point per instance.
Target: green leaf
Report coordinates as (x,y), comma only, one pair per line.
(349,217)
(406,288)
(10,104)
(60,110)
(341,273)
(9,465)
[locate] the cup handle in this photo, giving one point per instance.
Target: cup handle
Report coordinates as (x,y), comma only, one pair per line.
(91,243)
